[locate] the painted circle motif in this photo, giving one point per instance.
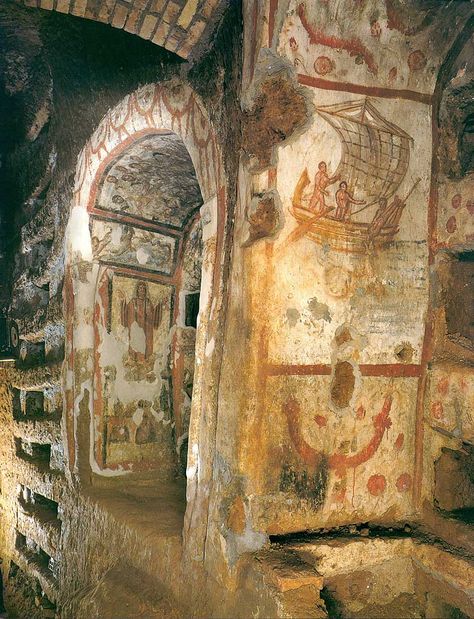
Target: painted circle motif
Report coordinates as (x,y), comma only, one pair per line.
(323,65)
(456,201)
(416,60)
(376,485)
(451,225)
(470,207)
(404,482)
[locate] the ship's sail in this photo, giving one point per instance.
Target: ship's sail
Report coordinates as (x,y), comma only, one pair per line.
(375,153)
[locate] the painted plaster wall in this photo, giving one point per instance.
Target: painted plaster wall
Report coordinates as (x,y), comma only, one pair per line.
(305,304)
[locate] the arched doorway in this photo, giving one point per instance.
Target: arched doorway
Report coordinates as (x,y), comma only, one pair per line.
(160,273)
(146,239)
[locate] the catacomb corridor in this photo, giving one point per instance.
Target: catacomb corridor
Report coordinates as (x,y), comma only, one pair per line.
(236,309)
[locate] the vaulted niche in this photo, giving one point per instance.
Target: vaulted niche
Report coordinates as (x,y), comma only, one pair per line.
(146,237)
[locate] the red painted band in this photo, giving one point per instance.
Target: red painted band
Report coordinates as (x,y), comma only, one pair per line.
(373,91)
(398,370)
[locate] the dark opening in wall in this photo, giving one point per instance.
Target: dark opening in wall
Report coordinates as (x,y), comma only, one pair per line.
(192,309)
(454,482)
(26,587)
(35,555)
(460,299)
(32,354)
(33,452)
(34,403)
(466,145)
(343,384)
(45,508)
(16,404)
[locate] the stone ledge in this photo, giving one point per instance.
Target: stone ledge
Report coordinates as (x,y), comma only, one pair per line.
(39,478)
(45,532)
(47,430)
(288,571)
(29,564)
(32,379)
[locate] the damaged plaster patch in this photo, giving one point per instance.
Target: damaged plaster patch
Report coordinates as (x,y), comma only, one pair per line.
(292,316)
(280,109)
(249,541)
(319,311)
(137,338)
(265,216)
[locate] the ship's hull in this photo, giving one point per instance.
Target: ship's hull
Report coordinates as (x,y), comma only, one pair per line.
(345,236)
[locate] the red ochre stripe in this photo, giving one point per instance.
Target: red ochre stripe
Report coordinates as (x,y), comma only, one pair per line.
(398,370)
(374,91)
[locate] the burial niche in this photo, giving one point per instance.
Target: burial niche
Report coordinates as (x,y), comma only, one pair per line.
(146,237)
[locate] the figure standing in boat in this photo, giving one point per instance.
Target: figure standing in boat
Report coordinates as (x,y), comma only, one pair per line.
(375,154)
(322,180)
(343,203)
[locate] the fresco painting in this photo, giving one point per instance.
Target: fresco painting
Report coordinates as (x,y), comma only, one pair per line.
(134,412)
(128,245)
(343,358)
(336,466)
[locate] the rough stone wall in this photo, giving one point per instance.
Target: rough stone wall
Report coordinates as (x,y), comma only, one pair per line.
(183,27)
(449,420)
(63,75)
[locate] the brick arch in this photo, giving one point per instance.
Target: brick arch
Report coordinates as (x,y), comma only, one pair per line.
(150,110)
(177,25)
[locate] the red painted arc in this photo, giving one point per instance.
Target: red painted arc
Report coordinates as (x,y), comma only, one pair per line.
(337,461)
(353,46)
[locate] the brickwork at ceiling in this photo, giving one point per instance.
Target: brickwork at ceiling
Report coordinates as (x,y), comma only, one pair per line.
(178,25)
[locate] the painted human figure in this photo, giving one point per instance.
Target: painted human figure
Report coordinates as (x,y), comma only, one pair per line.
(343,202)
(141,318)
(321,181)
(386,215)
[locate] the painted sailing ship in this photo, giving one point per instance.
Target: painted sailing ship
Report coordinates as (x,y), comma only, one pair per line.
(374,160)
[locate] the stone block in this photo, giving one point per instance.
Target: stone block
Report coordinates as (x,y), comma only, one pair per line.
(148,26)
(171,12)
(161,33)
(106,10)
(287,571)
(63,6)
(187,13)
(120,16)
(79,8)
(157,6)
(133,21)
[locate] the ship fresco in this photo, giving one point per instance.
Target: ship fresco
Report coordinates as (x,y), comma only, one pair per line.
(365,211)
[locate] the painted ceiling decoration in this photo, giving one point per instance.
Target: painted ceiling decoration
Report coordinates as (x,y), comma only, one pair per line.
(147,196)
(155,181)
(180,26)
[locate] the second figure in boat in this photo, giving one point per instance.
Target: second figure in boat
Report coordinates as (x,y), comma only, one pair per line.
(343,203)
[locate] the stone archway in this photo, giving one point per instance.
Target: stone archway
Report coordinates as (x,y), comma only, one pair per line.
(151,111)
(178,27)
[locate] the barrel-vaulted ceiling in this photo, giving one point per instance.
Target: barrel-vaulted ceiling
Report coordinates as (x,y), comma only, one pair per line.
(154,180)
(181,26)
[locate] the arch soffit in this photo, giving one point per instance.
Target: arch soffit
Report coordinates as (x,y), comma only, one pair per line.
(151,109)
(179,29)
